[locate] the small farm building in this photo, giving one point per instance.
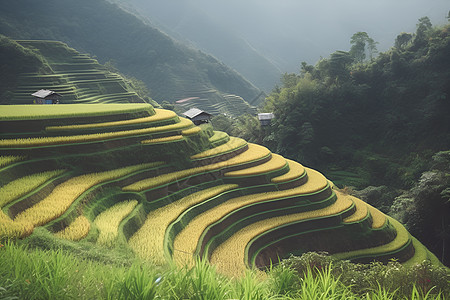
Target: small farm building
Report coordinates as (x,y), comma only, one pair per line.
(265,118)
(197,116)
(46,97)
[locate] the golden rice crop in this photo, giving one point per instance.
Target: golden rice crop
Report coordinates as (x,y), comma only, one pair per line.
(11,229)
(275,163)
(188,238)
(361,211)
(9,159)
(77,230)
(166,139)
(217,136)
(378,218)
(160,115)
(255,152)
(22,186)
(295,171)
(24,112)
(148,241)
(60,140)
(400,240)
(64,194)
(229,256)
(191,131)
(109,220)
(233,144)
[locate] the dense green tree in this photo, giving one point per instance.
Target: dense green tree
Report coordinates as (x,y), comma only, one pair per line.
(362,45)
(371,116)
(402,40)
(423,30)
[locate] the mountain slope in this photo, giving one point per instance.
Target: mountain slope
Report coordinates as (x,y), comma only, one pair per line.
(102,29)
(188,22)
(36,65)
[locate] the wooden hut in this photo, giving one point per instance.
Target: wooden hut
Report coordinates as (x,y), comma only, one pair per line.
(197,116)
(265,118)
(46,97)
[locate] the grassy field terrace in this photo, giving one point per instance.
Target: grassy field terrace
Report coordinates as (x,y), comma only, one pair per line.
(77,77)
(214,102)
(144,179)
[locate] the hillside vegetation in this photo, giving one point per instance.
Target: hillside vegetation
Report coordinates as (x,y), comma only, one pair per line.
(172,191)
(34,65)
(170,70)
(382,118)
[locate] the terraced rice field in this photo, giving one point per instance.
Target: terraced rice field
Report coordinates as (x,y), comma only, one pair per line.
(232,144)
(61,140)
(229,257)
(158,116)
(186,241)
(254,154)
(234,202)
(63,195)
(109,220)
(77,77)
(77,230)
(22,186)
(6,160)
(148,241)
(45,112)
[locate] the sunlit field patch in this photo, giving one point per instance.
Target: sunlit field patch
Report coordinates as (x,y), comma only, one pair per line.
(360,213)
(63,195)
(108,221)
(275,163)
(295,171)
(24,112)
(233,144)
(187,239)
(162,140)
(11,229)
(160,115)
(22,186)
(191,131)
(229,256)
(61,140)
(255,152)
(9,159)
(77,230)
(218,136)
(148,241)
(378,218)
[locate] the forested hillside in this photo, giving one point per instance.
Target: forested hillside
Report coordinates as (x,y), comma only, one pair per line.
(169,69)
(381,118)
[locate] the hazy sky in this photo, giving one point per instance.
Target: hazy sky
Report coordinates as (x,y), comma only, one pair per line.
(310,29)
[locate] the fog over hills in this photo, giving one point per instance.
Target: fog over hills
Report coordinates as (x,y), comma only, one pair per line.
(284,33)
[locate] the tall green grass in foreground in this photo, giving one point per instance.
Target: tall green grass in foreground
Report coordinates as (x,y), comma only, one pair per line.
(52,274)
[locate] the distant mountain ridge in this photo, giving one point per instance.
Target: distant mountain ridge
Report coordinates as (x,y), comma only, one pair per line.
(168,68)
(187,22)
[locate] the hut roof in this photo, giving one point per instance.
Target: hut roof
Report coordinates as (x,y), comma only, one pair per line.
(266,116)
(194,112)
(45,93)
